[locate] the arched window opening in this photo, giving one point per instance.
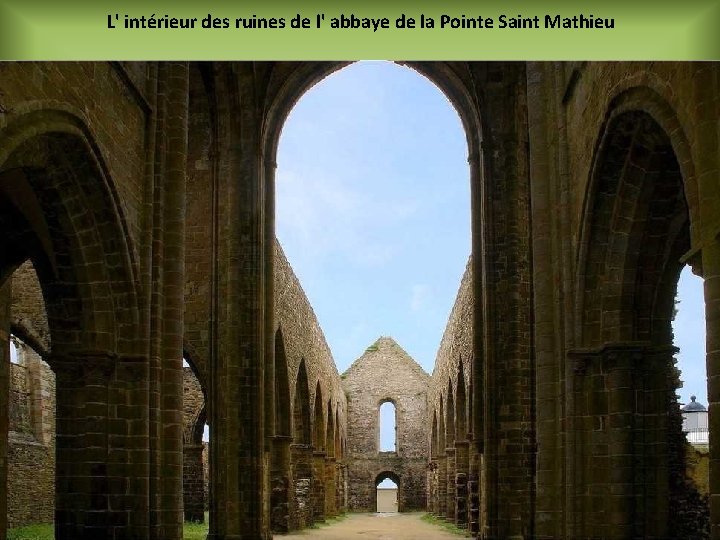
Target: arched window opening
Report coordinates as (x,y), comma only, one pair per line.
(388,426)
(689,338)
(14,350)
(319,421)
(196,445)
(301,408)
(387,490)
(357,205)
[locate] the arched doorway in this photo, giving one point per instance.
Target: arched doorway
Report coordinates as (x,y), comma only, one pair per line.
(387,492)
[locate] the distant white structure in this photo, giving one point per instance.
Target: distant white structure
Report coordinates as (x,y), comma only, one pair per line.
(695,422)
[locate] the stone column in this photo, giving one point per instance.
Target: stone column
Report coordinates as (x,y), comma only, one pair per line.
(339,488)
(318,486)
(330,488)
(711,272)
(621,406)
(432,484)
(88,504)
(474,503)
(193,483)
(301,496)
(280,485)
(4,404)
(462,466)
(239,505)
(450,484)
(619,435)
(442,486)
(171,416)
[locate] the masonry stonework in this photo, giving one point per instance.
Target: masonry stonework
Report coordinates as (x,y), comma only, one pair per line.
(385,372)
(137,211)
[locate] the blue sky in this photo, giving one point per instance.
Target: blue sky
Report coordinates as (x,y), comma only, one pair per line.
(689,337)
(373,207)
(373,211)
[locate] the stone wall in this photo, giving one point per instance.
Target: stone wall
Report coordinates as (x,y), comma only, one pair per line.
(29,316)
(385,372)
(307,469)
(31,463)
(194,454)
(453,475)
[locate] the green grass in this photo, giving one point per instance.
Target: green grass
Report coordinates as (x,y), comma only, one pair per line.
(195,531)
(32,532)
(192,531)
(450,527)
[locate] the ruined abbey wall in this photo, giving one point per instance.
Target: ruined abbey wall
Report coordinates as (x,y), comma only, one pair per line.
(143,194)
(385,372)
(31,460)
(452,478)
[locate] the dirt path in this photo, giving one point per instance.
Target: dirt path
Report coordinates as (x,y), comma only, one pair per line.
(377,526)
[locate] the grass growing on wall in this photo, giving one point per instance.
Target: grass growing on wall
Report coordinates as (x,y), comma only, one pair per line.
(191,531)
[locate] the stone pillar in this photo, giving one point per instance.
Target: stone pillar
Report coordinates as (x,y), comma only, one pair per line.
(240,498)
(171,416)
(280,485)
(4,404)
(450,484)
(432,487)
(301,500)
(474,503)
(619,431)
(318,486)
(442,486)
(193,483)
(339,488)
(711,272)
(462,466)
(83,488)
(330,488)
(621,405)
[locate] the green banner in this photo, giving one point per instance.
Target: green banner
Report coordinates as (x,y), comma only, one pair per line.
(354,30)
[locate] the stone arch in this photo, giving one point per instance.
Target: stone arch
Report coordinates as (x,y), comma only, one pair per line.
(302,428)
(394,477)
(639,221)
(293,81)
(59,209)
(195,416)
(646,101)
(64,211)
(194,449)
(636,231)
